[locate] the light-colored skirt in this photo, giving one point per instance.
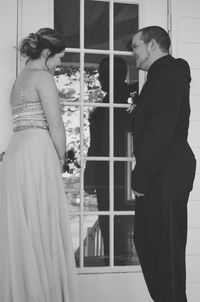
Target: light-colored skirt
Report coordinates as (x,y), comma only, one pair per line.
(36,255)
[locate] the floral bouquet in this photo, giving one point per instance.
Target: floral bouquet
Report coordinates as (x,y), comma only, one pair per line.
(71,162)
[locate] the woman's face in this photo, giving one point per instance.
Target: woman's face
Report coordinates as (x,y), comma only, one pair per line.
(55,61)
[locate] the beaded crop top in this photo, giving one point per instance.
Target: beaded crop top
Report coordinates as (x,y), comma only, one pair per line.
(27,114)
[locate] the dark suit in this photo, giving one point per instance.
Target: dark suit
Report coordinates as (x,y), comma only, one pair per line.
(96,174)
(164,172)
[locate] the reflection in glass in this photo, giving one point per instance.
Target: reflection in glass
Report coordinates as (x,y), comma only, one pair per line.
(98,122)
(96,185)
(125,78)
(93,242)
(67,21)
(75,227)
(67,78)
(124,248)
(97,78)
(72,190)
(123,195)
(90,198)
(125,24)
(95,92)
(122,132)
(96,24)
(132,75)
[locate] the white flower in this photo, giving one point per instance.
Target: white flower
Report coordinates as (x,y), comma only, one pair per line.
(132,101)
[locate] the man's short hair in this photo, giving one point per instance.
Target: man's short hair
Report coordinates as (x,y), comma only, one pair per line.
(157,33)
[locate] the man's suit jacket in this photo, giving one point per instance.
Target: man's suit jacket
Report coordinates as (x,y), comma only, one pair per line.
(165,164)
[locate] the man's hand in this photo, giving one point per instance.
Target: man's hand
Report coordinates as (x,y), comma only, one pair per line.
(138,194)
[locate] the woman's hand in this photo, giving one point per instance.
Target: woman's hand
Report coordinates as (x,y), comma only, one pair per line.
(61,165)
(1,156)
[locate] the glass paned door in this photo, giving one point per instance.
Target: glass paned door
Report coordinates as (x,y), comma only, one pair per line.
(95,81)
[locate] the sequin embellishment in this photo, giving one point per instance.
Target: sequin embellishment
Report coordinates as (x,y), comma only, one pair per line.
(29,115)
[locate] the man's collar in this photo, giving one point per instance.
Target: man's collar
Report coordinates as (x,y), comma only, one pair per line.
(158,63)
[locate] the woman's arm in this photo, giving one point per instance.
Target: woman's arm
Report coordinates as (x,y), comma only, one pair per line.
(46,88)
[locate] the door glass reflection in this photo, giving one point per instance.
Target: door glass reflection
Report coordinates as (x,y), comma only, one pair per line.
(67,21)
(93,89)
(96,185)
(67,78)
(124,248)
(125,25)
(97,124)
(93,243)
(124,198)
(96,24)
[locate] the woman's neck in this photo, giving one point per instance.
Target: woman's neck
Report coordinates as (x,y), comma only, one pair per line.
(37,64)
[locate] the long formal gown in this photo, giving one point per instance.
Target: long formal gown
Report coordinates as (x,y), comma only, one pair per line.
(36,255)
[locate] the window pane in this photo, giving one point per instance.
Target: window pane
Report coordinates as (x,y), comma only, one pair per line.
(125,24)
(96,185)
(72,190)
(97,78)
(98,131)
(67,79)
(93,241)
(93,89)
(75,227)
(123,196)
(67,21)
(124,248)
(96,24)
(125,71)
(71,178)
(122,133)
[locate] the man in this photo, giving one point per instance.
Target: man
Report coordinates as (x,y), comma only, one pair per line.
(96,174)
(165,165)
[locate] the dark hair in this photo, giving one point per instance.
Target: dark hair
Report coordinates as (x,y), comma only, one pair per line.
(45,38)
(120,68)
(158,34)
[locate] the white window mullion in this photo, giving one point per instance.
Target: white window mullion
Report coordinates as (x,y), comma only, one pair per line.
(81,131)
(111,147)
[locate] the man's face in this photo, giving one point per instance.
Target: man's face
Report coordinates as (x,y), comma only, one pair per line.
(140,52)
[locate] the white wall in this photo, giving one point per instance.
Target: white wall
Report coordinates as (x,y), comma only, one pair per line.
(8,32)
(32,15)
(186,44)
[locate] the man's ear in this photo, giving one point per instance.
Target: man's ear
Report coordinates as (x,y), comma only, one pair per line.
(153,45)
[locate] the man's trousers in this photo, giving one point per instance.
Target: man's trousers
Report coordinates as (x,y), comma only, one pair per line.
(160,236)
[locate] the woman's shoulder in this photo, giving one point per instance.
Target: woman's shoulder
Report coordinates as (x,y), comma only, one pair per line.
(41,74)
(42,78)
(34,74)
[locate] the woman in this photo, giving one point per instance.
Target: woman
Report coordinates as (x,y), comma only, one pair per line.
(36,255)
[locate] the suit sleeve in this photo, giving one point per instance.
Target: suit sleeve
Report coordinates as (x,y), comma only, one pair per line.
(162,111)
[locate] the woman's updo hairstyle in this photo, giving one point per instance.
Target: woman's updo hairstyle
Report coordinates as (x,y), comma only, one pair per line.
(45,38)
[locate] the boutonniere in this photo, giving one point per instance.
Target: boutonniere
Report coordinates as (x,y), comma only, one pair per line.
(132,101)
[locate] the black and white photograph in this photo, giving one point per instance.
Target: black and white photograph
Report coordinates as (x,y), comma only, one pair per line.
(100,151)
